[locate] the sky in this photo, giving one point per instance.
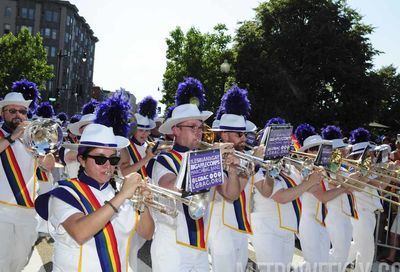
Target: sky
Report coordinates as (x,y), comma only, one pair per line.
(132,34)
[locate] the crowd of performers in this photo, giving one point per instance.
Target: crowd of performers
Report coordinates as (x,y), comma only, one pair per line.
(82,195)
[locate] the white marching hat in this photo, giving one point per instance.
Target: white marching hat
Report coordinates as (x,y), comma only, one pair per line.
(14,98)
(338,143)
(312,141)
(97,135)
(144,122)
(233,122)
(86,119)
(183,113)
(359,148)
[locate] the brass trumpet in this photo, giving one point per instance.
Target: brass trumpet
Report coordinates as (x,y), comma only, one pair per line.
(198,203)
(160,146)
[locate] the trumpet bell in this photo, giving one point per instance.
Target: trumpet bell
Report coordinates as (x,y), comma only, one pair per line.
(198,206)
(43,136)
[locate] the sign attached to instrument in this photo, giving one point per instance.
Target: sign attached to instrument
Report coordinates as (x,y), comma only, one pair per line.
(278,139)
(205,170)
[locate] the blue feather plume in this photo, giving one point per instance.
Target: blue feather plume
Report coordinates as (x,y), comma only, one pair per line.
(359,135)
(190,91)
(63,117)
(29,91)
(148,107)
(45,110)
(331,133)
(275,121)
(235,101)
(115,112)
(303,131)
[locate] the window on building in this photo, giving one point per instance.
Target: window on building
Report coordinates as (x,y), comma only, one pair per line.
(7,12)
(31,14)
(48,16)
(24,12)
(53,51)
(54,34)
(55,16)
(7,28)
(47,32)
(68,20)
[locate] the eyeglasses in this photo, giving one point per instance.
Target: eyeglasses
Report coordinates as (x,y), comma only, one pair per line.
(239,134)
(193,128)
(101,160)
(14,111)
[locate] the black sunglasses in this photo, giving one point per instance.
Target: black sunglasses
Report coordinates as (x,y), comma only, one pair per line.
(14,111)
(101,160)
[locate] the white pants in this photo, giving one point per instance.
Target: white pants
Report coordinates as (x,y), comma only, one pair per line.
(16,245)
(340,230)
(136,244)
(168,256)
(274,246)
(363,246)
(228,248)
(315,243)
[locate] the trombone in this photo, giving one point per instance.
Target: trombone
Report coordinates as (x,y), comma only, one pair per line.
(334,168)
(198,203)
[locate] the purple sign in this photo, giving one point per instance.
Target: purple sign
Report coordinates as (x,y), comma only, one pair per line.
(278,142)
(205,170)
(324,155)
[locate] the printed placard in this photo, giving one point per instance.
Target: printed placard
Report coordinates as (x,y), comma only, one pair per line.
(251,139)
(278,142)
(205,170)
(324,155)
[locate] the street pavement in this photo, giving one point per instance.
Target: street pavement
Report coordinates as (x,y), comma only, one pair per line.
(41,259)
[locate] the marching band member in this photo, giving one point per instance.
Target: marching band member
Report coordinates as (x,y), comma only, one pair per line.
(276,215)
(181,244)
(155,134)
(136,156)
(139,153)
(362,248)
(341,210)
(18,185)
(91,225)
(231,222)
(313,235)
(70,156)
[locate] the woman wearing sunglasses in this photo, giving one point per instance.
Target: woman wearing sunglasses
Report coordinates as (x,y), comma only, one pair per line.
(91,225)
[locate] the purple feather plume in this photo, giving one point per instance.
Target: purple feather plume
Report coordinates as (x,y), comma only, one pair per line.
(63,117)
(29,91)
(235,101)
(90,107)
(359,135)
(75,118)
(303,131)
(45,110)
(148,107)
(331,133)
(275,121)
(115,112)
(190,91)
(168,112)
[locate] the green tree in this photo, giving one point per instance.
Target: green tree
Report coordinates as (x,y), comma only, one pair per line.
(307,61)
(197,55)
(23,56)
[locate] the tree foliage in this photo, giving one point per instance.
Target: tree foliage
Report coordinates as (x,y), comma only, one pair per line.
(23,56)
(197,55)
(307,61)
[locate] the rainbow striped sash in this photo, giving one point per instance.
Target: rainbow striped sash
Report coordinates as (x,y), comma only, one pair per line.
(41,175)
(195,228)
(106,242)
(352,205)
(135,155)
(296,203)
(14,177)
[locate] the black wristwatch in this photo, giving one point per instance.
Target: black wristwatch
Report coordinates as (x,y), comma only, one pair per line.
(8,138)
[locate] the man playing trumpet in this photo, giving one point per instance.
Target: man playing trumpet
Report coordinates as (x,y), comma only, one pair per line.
(181,244)
(18,185)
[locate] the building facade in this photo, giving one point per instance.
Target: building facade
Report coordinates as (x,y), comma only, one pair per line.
(68,40)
